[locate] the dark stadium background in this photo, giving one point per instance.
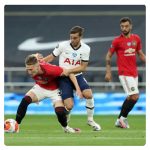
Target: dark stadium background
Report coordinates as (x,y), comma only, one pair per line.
(25,24)
(52,24)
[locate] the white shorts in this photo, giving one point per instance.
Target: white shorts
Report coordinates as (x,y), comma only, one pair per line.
(42,93)
(130,84)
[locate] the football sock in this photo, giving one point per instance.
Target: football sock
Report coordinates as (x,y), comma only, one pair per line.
(22,108)
(90,108)
(127,107)
(68,114)
(61,115)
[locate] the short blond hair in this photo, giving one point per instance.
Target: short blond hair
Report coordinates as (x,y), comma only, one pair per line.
(31,60)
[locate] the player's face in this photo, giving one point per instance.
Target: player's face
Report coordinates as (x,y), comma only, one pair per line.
(125,28)
(75,39)
(32,69)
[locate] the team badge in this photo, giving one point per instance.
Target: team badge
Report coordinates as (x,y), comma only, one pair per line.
(129,43)
(74,54)
(134,43)
(132,89)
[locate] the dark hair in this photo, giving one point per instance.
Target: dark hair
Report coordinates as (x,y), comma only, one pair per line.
(77,29)
(31,60)
(125,19)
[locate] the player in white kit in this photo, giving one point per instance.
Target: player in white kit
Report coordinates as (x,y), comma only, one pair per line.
(74,55)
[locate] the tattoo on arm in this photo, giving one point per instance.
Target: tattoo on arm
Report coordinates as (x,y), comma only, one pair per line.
(108,62)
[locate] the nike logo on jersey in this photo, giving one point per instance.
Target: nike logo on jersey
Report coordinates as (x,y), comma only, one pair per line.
(34,44)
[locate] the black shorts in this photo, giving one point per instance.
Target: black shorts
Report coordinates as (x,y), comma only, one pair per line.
(67,87)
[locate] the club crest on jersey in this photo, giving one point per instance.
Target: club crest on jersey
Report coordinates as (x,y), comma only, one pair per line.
(132,88)
(134,43)
(129,43)
(74,54)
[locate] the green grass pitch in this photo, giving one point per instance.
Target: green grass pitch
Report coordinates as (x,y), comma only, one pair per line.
(44,130)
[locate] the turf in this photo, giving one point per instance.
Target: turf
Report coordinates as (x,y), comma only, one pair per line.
(44,130)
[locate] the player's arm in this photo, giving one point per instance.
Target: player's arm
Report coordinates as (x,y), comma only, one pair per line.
(78,69)
(49,58)
(108,76)
(56,52)
(74,80)
(141,56)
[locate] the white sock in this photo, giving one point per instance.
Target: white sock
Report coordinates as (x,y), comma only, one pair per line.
(90,108)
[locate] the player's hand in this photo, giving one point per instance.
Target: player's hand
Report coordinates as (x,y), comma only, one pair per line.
(65,72)
(79,93)
(108,76)
(39,56)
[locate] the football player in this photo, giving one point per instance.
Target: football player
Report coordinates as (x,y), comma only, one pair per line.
(74,56)
(45,76)
(126,46)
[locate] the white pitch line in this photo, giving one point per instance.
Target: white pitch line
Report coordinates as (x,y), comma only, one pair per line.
(102,138)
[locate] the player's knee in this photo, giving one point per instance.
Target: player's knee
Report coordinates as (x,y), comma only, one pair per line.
(134,97)
(68,104)
(59,110)
(69,107)
(26,99)
(87,94)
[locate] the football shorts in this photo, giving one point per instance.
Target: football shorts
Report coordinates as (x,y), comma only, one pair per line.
(130,84)
(67,87)
(42,93)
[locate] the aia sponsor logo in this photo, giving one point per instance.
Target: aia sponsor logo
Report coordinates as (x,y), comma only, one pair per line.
(72,62)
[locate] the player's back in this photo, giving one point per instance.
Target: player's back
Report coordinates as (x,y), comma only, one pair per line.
(48,79)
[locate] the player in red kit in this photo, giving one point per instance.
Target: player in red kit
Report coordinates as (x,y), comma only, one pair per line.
(126,46)
(45,76)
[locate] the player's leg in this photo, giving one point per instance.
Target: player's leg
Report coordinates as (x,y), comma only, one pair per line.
(61,111)
(22,108)
(32,96)
(87,94)
(130,87)
(66,89)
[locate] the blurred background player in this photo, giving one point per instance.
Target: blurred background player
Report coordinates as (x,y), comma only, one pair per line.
(45,76)
(126,46)
(74,55)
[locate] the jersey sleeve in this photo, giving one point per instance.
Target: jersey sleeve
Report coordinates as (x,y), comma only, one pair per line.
(86,55)
(57,51)
(139,44)
(112,48)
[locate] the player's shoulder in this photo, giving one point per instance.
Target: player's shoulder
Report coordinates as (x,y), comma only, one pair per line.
(44,64)
(116,39)
(135,36)
(64,43)
(85,46)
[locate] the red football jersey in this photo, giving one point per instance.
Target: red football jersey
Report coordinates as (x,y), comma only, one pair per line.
(126,49)
(48,80)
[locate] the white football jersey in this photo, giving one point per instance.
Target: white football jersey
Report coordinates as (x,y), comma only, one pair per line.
(70,57)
